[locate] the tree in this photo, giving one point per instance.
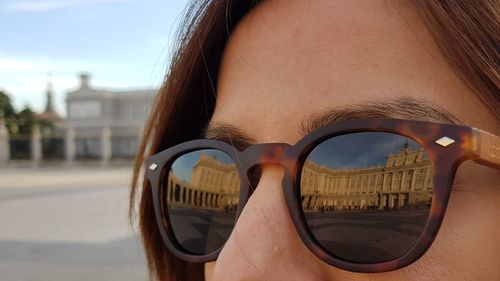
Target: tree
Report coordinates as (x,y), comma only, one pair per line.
(26,121)
(8,113)
(6,105)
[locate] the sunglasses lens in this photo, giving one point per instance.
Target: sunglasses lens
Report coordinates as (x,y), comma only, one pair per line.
(201,198)
(366,196)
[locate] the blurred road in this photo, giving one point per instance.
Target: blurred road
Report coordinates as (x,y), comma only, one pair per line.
(67,224)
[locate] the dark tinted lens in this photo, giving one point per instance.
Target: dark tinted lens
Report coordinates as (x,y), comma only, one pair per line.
(201,199)
(366,196)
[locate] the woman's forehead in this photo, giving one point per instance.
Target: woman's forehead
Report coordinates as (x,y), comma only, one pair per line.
(289,59)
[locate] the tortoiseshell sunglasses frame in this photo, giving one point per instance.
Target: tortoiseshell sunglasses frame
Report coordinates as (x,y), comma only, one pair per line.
(469,143)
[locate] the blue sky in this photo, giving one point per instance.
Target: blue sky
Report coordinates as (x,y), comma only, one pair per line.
(122,43)
(359,150)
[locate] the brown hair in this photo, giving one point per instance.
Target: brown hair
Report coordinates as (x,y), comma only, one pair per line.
(468,34)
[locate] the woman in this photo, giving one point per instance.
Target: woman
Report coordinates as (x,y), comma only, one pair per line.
(306,73)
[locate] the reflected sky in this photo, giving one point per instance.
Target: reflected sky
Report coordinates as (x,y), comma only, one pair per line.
(183,166)
(359,150)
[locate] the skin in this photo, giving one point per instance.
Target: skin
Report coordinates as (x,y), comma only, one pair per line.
(290,59)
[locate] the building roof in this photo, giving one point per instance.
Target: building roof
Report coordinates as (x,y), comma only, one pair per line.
(86,90)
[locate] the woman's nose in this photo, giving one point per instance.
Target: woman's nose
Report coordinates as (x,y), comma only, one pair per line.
(264,244)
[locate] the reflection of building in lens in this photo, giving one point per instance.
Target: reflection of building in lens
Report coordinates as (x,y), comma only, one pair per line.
(405,181)
(214,184)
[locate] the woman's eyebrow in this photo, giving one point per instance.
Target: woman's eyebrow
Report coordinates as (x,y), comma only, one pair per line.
(229,134)
(400,108)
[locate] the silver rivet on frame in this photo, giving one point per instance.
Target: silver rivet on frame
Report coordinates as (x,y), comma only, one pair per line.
(153,167)
(445,141)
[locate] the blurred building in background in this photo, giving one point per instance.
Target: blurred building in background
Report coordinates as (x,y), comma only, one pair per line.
(103,123)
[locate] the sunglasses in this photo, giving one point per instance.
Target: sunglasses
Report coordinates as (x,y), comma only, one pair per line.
(364,195)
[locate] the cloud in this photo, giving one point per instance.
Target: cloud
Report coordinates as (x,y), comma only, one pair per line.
(40,64)
(51,5)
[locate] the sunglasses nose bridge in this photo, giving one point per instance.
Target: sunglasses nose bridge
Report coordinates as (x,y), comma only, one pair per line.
(267,153)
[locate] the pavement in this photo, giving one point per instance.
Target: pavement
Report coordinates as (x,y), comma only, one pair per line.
(369,236)
(67,223)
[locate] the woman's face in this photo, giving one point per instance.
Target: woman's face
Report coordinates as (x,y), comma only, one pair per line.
(290,60)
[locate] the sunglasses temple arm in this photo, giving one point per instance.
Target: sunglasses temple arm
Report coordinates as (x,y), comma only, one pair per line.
(486,147)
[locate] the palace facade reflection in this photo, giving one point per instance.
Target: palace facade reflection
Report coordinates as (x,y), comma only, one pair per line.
(403,182)
(214,185)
